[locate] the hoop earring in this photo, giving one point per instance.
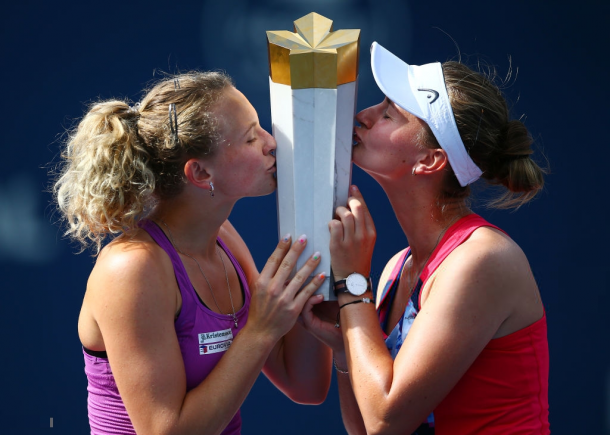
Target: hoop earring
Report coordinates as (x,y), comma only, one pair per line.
(413,172)
(211,189)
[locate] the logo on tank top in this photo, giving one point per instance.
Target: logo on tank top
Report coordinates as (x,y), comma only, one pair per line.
(214,342)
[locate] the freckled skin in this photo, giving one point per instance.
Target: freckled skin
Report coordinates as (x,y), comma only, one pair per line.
(243,161)
(388,137)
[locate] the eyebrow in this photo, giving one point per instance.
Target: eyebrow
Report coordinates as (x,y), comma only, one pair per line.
(252,125)
(395,107)
(391,103)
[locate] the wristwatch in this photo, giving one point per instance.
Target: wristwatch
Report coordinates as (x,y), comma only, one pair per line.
(355,284)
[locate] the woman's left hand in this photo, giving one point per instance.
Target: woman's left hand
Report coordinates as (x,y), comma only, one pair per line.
(352,238)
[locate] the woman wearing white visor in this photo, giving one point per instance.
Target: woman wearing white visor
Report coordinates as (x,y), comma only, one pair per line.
(458,343)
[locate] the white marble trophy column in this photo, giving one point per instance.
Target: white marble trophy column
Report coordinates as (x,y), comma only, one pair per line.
(313,128)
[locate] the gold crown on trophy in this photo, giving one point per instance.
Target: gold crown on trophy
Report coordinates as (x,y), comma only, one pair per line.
(313,56)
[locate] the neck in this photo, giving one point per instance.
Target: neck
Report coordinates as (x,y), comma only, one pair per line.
(423,218)
(192,220)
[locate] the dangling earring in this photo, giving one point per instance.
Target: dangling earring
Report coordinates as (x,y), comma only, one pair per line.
(211,189)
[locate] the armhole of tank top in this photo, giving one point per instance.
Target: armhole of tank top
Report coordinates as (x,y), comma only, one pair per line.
(96,353)
(390,295)
(381,294)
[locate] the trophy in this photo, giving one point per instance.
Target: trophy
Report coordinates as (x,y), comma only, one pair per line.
(313,75)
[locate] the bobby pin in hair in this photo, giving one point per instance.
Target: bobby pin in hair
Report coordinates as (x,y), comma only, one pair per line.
(173,121)
(176,83)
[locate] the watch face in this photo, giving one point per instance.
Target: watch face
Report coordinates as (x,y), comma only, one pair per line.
(356,284)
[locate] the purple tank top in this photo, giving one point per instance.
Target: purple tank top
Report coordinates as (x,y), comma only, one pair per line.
(203,335)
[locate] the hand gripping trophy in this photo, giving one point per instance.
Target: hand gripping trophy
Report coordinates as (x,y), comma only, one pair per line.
(313,75)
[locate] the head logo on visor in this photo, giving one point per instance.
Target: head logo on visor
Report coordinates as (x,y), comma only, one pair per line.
(430,96)
(421,90)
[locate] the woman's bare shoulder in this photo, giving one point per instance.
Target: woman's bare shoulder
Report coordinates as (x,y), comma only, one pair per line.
(132,281)
(135,263)
(127,253)
(489,265)
(489,247)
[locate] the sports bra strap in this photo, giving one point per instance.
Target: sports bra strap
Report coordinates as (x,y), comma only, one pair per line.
(393,276)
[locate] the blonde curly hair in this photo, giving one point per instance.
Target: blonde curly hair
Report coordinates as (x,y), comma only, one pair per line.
(120,159)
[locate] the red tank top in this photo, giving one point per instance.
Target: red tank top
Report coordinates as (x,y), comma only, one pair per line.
(506,388)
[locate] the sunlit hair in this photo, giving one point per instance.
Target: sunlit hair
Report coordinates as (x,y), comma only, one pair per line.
(119,160)
(501,147)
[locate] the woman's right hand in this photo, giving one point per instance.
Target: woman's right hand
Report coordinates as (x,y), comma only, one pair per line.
(278,300)
(320,318)
(352,237)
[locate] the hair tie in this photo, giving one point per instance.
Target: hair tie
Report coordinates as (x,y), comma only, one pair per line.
(521,157)
(135,108)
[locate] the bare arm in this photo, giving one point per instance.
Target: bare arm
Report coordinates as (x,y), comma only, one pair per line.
(460,316)
(135,313)
(350,412)
(298,365)
(469,300)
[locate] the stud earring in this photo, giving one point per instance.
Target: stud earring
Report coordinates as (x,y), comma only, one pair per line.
(211,189)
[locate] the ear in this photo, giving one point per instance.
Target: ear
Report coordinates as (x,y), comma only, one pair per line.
(433,161)
(197,172)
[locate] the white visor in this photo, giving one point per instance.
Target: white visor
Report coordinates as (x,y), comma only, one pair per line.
(420,90)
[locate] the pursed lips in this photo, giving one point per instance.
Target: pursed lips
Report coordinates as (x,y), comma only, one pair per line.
(356,138)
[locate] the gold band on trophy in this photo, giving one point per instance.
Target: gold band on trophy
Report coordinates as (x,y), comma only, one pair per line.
(313,56)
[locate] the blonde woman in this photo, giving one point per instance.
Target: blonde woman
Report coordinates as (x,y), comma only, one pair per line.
(177,322)
(458,343)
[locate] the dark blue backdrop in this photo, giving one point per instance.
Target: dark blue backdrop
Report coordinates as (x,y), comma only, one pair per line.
(57,56)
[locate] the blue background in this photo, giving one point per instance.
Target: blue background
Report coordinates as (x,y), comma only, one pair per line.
(58,56)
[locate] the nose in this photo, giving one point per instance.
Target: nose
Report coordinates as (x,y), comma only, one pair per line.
(364,118)
(270,144)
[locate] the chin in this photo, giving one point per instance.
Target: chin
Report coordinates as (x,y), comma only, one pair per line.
(357,151)
(266,190)
(271,190)
(357,158)
(368,168)
(272,186)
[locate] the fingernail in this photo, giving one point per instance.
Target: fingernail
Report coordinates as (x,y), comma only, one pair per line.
(303,238)
(316,255)
(354,189)
(286,237)
(322,276)
(320,296)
